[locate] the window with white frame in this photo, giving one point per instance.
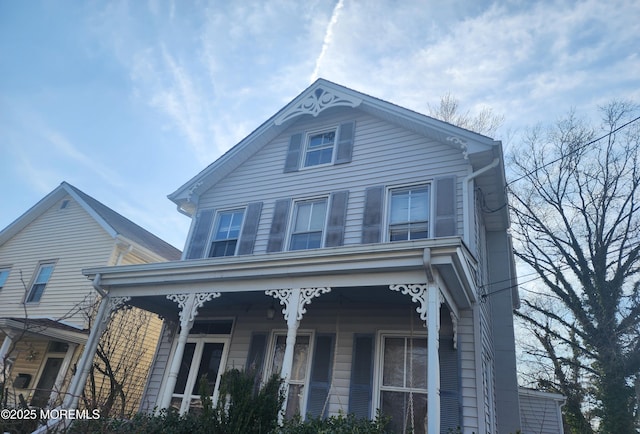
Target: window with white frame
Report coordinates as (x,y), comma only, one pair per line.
(4,274)
(402,382)
(226,233)
(299,370)
(308,224)
(319,148)
(409,213)
(40,282)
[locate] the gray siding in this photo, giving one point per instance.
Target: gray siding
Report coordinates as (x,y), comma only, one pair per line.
(383,154)
(540,414)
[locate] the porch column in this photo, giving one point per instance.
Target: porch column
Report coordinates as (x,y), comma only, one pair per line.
(189,305)
(429,299)
(108,305)
(294,302)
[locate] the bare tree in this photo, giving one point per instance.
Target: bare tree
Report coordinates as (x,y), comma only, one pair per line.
(484,122)
(575,202)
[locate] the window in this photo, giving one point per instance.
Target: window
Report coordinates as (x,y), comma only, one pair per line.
(4,274)
(319,148)
(42,277)
(403,382)
(409,213)
(299,371)
(226,233)
(308,224)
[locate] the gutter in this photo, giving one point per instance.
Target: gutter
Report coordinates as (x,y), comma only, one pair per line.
(466,224)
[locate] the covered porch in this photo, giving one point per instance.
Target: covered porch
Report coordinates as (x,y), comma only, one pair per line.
(350,329)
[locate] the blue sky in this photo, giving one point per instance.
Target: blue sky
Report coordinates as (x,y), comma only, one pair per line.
(127,100)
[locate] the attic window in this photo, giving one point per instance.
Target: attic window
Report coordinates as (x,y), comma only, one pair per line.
(319,148)
(64,204)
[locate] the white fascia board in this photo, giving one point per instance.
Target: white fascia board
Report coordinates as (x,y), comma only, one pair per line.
(85,206)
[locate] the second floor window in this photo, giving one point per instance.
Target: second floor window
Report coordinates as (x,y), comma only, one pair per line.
(308,224)
(42,278)
(226,233)
(319,149)
(409,213)
(4,274)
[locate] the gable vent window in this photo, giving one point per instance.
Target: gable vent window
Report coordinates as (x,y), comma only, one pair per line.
(4,274)
(319,148)
(64,204)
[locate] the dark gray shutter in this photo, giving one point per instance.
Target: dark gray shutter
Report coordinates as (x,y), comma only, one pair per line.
(337,218)
(450,410)
(345,143)
(292,162)
(361,390)
(321,368)
(250,228)
(445,216)
(278,225)
(372,218)
(200,234)
(255,357)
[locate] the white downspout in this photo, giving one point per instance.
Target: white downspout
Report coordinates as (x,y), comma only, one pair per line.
(466,223)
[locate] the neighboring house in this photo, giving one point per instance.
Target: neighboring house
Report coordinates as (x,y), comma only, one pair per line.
(541,412)
(45,301)
(382,236)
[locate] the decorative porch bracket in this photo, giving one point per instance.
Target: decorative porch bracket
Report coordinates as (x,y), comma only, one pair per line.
(429,299)
(189,305)
(294,302)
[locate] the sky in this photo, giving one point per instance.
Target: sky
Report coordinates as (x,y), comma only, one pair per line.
(128,100)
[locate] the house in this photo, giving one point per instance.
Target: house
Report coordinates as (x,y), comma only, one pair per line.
(357,248)
(541,412)
(46,303)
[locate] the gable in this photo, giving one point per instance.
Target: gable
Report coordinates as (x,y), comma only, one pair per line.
(322,97)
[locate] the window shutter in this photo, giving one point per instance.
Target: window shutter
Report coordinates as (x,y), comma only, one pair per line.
(361,391)
(337,218)
(250,228)
(292,162)
(445,195)
(345,143)
(320,376)
(278,225)
(449,384)
(372,219)
(255,357)
(200,234)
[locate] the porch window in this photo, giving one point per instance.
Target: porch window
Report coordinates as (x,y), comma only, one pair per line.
(409,213)
(319,148)
(299,371)
(308,225)
(403,383)
(226,233)
(40,282)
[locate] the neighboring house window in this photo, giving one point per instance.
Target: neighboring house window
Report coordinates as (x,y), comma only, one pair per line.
(42,278)
(299,371)
(403,382)
(409,213)
(319,148)
(226,233)
(4,274)
(309,220)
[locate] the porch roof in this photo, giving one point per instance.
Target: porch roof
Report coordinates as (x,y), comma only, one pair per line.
(345,266)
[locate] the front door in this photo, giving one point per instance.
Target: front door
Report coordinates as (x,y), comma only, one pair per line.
(203,357)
